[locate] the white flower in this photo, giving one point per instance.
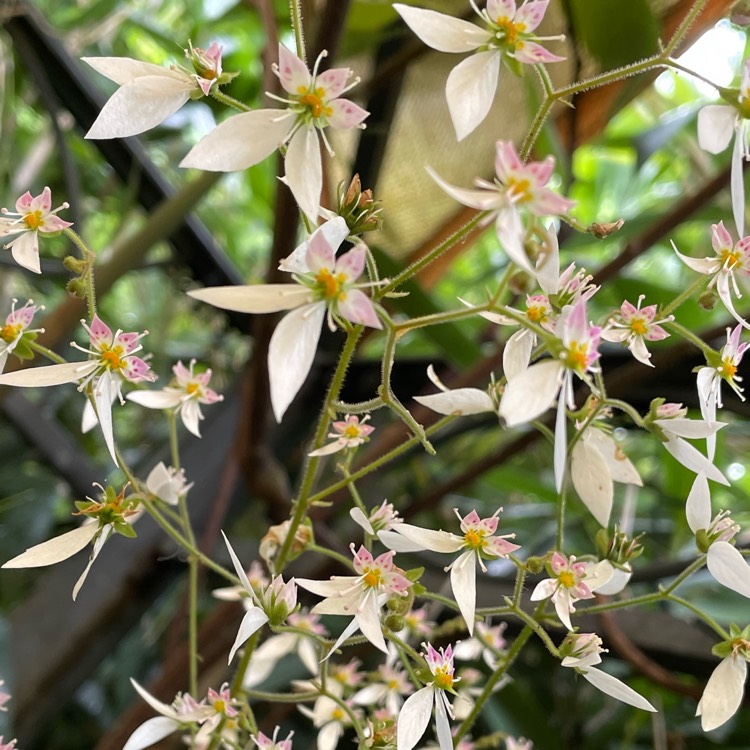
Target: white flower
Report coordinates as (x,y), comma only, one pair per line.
(635,325)
(33,215)
(188,391)
(731,261)
(456,401)
(168,484)
(716,123)
(330,718)
(348,433)
(326,284)
(360,596)
(416,711)
(596,462)
(16,327)
(477,542)
(472,83)
(722,695)
(248,138)
(148,93)
(583,651)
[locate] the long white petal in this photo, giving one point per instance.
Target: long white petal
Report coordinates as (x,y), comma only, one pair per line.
(122,70)
(303,170)
(155,703)
(737,186)
(254,619)
(140,105)
(55,550)
(530,394)
(620,466)
(470,89)
(459,401)
(238,569)
(727,565)
(715,127)
(560,452)
(393,540)
(698,505)
(39,377)
(592,480)
(332,587)
(258,298)
(464,585)
(722,695)
(150,732)
(25,251)
(240,141)
(517,353)
(436,541)
(155,399)
(616,688)
(104,395)
(442,724)
(291,353)
(442,32)
(105,534)
(689,428)
(328,736)
(484,200)
(359,517)
(368,618)
(691,458)
(414,718)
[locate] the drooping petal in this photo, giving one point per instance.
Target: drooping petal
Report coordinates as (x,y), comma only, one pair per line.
(258,298)
(303,170)
(737,185)
(123,70)
(105,534)
(470,90)
(254,619)
(238,569)
(368,619)
(715,127)
(727,565)
(442,724)
(560,451)
(150,732)
(517,353)
(483,200)
(619,465)
(291,353)
(464,586)
(616,688)
(689,428)
(192,416)
(458,401)
(156,399)
(140,105)
(530,394)
(40,377)
(706,266)
(442,32)
(55,550)
(725,295)
(592,480)
(722,695)
(240,141)
(104,394)
(398,543)
(698,505)
(436,541)
(691,458)
(25,251)
(414,718)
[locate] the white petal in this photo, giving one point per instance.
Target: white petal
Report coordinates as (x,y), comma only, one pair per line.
(442,32)
(706,266)
(359,517)
(258,298)
(414,718)
(698,505)
(157,705)
(722,695)
(464,585)
(437,541)
(89,420)
(155,399)
(308,654)
(191,416)
(393,540)
(484,200)
(238,569)
(617,689)
(139,106)
(328,736)
(470,90)
(517,353)
(335,232)
(123,70)
(592,480)
(333,587)
(715,127)
(150,732)
(368,619)
(561,600)
(689,428)
(25,251)
(240,141)
(291,353)
(620,466)
(459,401)
(691,458)
(304,171)
(560,452)
(727,565)
(55,550)
(38,377)
(737,187)
(442,725)
(105,534)
(529,395)
(254,619)
(348,631)
(104,394)
(618,581)
(543,590)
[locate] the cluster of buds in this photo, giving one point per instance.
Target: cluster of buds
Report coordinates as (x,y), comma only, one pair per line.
(275,537)
(617,547)
(358,207)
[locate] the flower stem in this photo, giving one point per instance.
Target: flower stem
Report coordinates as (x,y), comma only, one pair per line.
(45,352)
(295,12)
(88,257)
(230,101)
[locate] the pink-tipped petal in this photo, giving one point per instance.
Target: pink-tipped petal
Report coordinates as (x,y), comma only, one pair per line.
(346,114)
(531,14)
(532,53)
(293,73)
(357,308)
(333,82)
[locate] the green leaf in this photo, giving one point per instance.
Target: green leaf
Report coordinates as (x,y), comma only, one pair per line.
(615,32)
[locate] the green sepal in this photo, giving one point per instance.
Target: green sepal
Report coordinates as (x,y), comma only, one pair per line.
(23,350)
(414,574)
(722,650)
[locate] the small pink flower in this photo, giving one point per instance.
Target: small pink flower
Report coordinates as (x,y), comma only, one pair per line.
(34,215)
(16,327)
(635,325)
(272,743)
(207,65)
(348,433)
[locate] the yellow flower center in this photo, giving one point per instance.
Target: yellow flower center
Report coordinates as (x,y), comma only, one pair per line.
(729,258)
(33,219)
(510,29)
(112,358)
(192,388)
(372,578)
(352,431)
(536,314)
(576,357)
(728,369)
(220,706)
(519,190)
(330,284)
(638,327)
(314,101)
(567,579)
(393,684)
(10,332)
(338,714)
(443,679)
(474,539)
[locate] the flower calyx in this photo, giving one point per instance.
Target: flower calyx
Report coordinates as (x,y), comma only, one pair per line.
(112,509)
(358,207)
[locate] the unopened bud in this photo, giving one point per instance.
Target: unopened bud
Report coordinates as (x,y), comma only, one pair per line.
(77,288)
(604,230)
(707,300)
(76,265)
(358,207)
(535,564)
(520,283)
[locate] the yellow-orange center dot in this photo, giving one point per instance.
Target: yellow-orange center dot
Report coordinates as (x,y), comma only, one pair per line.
(220,706)
(729,259)
(352,431)
(330,284)
(372,579)
(509,29)
(315,103)
(33,219)
(536,314)
(577,356)
(729,369)
(192,388)
(337,714)
(473,538)
(566,579)
(638,327)
(111,360)
(443,680)
(10,333)
(519,189)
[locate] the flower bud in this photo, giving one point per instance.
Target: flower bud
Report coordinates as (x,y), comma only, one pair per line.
(274,539)
(76,265)
(395,622)
(617,547)
(707,300)
(604,230)
(358,207)
(77,288)
(535,564)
